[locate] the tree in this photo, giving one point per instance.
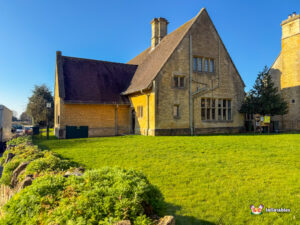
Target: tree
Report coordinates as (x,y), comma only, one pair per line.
(36,107)
(15,116)
(264,98)
(14,119)
(25,117)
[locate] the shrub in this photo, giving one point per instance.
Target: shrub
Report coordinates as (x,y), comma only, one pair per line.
(48,163)
(98,197)
(19,140)
(40,161)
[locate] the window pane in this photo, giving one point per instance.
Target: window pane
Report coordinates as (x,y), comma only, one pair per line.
(219,114)
(202,114)
(213,114)
(208,114)
(229,114)
(208,102)
(206,65)
(211,65)
(181,81)
(200,64)
(195,64)
(224,103)
(220,103)
(224,114)
(203,102)
(176,81)
(213,103)
(229,103)
(176,110)
(140,111)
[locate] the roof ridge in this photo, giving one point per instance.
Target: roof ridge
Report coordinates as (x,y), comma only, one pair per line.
(157,48)
(178,28)
(96,60)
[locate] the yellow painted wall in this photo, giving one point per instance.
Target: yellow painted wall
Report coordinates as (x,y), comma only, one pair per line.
(99,118)
(142,122)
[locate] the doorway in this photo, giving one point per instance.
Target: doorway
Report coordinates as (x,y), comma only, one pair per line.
(133,121)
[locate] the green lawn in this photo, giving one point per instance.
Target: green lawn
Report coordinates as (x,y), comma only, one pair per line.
(205,179)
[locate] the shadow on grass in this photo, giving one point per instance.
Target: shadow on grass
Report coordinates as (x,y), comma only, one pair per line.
(184,220)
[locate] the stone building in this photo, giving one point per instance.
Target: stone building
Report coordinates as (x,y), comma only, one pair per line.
(286,72)
(185,83)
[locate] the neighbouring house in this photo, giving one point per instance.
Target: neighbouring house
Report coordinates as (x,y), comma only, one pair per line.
(286,73)
(185,83)
(5,124)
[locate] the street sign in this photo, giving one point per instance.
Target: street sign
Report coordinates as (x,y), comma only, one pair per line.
(267,119)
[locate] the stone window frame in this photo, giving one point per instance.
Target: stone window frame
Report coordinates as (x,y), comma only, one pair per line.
(177,115)
(210,61)
(216,109)
(180,77)
(139,111)
(179,81)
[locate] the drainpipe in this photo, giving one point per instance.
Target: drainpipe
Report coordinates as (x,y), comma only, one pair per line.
(191,108)
(148,114)
(116,120)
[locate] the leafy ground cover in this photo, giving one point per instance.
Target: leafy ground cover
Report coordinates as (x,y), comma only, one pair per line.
(204,179)
(103,197)
(59,193)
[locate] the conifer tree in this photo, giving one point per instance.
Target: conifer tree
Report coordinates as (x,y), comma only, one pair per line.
(264,98)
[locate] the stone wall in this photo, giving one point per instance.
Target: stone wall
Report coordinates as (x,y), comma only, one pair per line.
(224,82)
(100,119)
(286,73)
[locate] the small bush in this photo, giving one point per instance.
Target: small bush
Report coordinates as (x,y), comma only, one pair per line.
(19,140)
(39,161)
(98,197)
(48,163)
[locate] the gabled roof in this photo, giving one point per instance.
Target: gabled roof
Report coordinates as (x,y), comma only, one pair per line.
(94,82)
(140,58)
(151,61)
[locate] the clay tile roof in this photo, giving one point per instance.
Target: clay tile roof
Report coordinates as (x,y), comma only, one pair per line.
(151,61)
(140,58)
(96,82)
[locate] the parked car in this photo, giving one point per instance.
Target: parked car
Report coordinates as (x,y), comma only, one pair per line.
(20,129)
(28,130)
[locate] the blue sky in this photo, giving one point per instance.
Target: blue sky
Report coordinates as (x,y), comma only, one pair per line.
(32,31)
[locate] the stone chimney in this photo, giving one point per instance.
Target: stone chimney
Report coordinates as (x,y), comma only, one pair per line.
(291,26)
(159,30)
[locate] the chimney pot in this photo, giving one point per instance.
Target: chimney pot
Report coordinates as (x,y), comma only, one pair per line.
(294,14)
(58,53)
(159,30)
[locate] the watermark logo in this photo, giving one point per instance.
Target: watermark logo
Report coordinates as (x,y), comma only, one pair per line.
(256,211)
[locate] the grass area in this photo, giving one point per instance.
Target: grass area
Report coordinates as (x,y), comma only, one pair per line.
(205,179)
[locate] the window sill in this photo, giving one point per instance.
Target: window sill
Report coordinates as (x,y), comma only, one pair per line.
(205,72)
(180,88)
(217,121)
(176,117)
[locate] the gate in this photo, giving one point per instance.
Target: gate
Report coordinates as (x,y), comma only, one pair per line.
(77,132)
